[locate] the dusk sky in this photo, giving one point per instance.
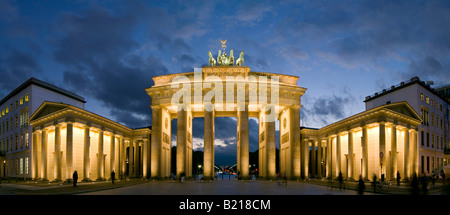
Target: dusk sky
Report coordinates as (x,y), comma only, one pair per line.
(108,51)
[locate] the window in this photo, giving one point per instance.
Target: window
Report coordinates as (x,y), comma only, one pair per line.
(428,139)
(428,100)
(423,164)
(432,141)
(17,104)
(437,105)
(432,119)
(17,142)
(432,103)
(27,97)
(21,166)
(17,166)
(437,141)
(17,121)
(26,165)
(421,96)
(21,140)
(7,109)
(26,139)
(422,142)
(21,100)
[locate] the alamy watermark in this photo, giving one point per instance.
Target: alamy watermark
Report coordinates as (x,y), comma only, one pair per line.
(255,87)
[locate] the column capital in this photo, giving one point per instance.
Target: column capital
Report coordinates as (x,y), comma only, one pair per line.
(57,124)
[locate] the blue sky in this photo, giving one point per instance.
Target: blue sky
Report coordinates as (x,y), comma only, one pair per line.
(108,51)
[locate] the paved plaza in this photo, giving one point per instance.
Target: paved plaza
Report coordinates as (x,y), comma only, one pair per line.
(225,186)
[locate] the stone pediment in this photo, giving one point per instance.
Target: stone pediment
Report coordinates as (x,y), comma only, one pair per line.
(47,108)
(403,108)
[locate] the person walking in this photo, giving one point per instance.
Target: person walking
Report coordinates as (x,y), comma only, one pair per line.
(443,177)
(361,186)
(415,185)
(398,178)
(340,179)
(113,176)
(75,178)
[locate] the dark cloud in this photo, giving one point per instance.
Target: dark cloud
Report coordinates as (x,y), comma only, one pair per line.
(16,67)
(372,35)
(96,50)
(324,110)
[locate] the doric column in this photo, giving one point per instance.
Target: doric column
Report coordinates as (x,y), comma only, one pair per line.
(146,159)
(329,158)
(57,152)
(319,159)
(305,159)
(351,163)
(112,154)
(415,153)
(35,162)
(136,159)
(181,141)
(131,158)
(100,157)
(156,141)
(338,153)
(313,158)
(86,156)
(407,164)
(123,157)
(69,150)
(365,153)
(44,154)
(208,150)
(244,159)
(393,152)
(295,143)
(270,144)
(382,141)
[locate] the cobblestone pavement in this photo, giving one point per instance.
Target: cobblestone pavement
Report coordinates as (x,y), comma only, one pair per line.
(218,187)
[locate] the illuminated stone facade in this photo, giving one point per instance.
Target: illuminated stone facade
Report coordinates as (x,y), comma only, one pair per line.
(226,91)
(382,140)
(67,138)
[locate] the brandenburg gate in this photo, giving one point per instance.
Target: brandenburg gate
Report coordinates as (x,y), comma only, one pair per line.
(223,89)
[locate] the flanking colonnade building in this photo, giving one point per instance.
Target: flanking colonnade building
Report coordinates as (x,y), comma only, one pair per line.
(67,139)
(376,142)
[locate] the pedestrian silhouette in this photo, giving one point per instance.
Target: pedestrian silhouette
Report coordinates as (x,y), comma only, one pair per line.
(113,176)
(374,181)
(443,177)
(361,186)
(424,183)
(398,178)
(433,178)
(340,179)
(75,178)
(415,185)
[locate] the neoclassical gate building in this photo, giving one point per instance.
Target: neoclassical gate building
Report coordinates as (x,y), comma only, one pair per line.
(226,91)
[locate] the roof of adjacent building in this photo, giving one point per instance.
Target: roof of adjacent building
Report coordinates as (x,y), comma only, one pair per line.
(45,85)
(412,81)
